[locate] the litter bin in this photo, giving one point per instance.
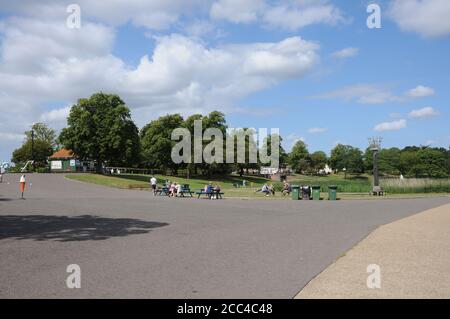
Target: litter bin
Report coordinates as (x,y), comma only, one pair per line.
(315,192)
(332,192)
(306,192)
(295,192)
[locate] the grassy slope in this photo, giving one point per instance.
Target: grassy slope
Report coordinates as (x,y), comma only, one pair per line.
(356,187)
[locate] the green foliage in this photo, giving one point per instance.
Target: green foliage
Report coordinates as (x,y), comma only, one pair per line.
(156,141)
(44,139)
(43,133)
(100,128)
(389,161)
(298,158)
(318,160)
(348,157)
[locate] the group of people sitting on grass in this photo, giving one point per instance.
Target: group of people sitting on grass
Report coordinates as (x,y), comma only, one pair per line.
(268,189)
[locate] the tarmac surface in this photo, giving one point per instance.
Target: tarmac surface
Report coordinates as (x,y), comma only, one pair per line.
(130,244)
(412,257)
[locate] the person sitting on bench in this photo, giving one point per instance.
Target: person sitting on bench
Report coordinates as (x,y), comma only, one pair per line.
(216,191)
(286,188)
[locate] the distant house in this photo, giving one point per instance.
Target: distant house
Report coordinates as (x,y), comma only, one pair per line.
(326,170)
(66,161)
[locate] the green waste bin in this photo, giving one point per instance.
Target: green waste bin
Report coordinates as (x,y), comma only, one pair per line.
(315,192)
(295,192)
(332,192)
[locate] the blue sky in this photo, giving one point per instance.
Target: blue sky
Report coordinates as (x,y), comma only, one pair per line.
(313,69)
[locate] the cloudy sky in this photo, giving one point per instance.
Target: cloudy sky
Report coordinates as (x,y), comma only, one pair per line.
(313,69)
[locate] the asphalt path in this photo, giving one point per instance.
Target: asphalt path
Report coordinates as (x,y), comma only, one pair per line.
(130,244)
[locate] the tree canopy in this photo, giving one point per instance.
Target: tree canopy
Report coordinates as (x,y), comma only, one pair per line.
(100,128)
(40,149)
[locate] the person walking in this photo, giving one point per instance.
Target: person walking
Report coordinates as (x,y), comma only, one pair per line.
(153,182)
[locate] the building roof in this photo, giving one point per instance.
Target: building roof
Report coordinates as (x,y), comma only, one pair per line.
(62,153)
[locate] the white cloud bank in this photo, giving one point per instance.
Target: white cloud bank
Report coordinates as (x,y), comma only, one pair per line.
(288,15)
(345,53)
(420,91)
(43,62)
(317,130)
(390,126)
(423,112)
(374,94)
(429,18)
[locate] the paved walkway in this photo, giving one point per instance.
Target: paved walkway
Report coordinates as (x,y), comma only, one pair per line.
(413,255)
(130,244)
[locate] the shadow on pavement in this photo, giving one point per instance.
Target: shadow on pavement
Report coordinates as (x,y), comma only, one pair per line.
(75,228)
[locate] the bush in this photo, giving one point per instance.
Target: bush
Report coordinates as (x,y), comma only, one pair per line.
(42,170)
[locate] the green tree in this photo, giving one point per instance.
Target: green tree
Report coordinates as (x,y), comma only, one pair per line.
(100,128)
(299,157)
(432,162)
(368,160)
(43,133)
(42,150)
(347,157)
(389,161)
(318,160)
(157,143)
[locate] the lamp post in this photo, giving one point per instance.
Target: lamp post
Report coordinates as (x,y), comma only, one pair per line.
(375,145)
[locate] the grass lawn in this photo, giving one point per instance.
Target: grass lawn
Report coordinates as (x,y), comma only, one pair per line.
(354,187)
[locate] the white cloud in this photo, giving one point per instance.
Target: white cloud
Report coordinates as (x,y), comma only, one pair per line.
(423,112)
(345,53)
(428,18)
(42,62)
(154,14)
(361,93)
(287,15)
(316,130)
(420,91)
(298,14)
(237,11)
(57,115)
(374,94)
(430,142)
(5,136)
(390,126)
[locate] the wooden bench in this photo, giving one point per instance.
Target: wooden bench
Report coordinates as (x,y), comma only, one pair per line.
(210,194)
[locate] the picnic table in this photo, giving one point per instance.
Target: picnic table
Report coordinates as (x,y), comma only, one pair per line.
(186,190)
(210,195)
(165,191)
(162,191)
